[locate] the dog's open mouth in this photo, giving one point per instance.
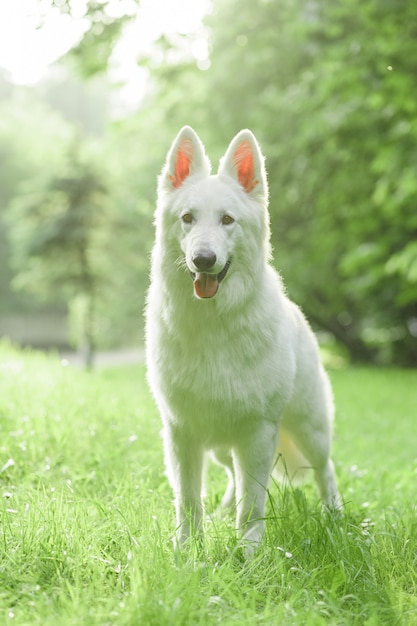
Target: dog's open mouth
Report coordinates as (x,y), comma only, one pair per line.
(206,285)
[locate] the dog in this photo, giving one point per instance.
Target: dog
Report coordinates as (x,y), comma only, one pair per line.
(232,363)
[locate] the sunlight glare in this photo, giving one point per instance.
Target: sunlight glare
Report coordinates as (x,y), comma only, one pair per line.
(26,50)
(200,51)
(155,18)
(33,35)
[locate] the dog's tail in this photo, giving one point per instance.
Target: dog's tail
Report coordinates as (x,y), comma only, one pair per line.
(291,466)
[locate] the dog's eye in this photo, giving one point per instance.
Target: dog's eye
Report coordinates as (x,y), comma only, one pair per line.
(187,218)
(227,219)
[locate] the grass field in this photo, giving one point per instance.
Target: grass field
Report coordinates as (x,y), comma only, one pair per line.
(87,518)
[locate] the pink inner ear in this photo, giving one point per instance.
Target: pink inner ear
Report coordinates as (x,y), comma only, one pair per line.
(183,160)
(244,162)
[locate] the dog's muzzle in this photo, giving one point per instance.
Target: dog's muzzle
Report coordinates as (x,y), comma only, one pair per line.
(206,284)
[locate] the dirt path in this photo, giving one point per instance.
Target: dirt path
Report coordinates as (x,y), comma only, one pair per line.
(125,356)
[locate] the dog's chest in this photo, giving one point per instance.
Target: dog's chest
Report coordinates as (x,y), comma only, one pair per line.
(216,380)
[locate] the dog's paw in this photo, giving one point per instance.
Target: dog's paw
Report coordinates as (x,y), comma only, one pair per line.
(251,540)
(334,504)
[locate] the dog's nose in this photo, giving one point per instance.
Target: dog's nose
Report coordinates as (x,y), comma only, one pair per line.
(204,260)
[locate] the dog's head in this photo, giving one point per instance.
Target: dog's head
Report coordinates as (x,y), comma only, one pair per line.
(219,222)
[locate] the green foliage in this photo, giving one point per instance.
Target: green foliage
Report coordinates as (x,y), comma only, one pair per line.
(320,86)
(29,143)
(72,222)
(59,242)
(328,90)
(87,517)
(104,24)
(365,100)
(53,227)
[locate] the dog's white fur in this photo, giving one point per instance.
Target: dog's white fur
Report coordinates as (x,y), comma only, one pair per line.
(237,373)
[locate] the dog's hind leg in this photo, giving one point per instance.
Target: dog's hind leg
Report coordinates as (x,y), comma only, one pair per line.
(223,456)
(184,463)
(326,481)
(314,443)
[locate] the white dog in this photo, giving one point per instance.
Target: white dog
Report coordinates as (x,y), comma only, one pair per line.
(232,362)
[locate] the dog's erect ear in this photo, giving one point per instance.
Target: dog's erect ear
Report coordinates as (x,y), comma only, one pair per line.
(244,162)
(186,157)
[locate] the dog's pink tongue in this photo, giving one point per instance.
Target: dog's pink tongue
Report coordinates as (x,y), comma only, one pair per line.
(205,285)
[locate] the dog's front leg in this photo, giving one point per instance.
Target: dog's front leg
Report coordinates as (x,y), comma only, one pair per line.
(253,459)
(184,462)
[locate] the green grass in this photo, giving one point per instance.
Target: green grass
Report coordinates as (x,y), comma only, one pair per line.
(87,518)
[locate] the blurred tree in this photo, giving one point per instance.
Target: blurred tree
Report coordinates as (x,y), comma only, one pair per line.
(36,145)
(104,21)
(356,130)
(134,152)
(31,138)
(59,238)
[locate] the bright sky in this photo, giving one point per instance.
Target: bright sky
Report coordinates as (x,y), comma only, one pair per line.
(26,49)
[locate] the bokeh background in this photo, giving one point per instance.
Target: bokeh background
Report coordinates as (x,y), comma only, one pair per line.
(92,92)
